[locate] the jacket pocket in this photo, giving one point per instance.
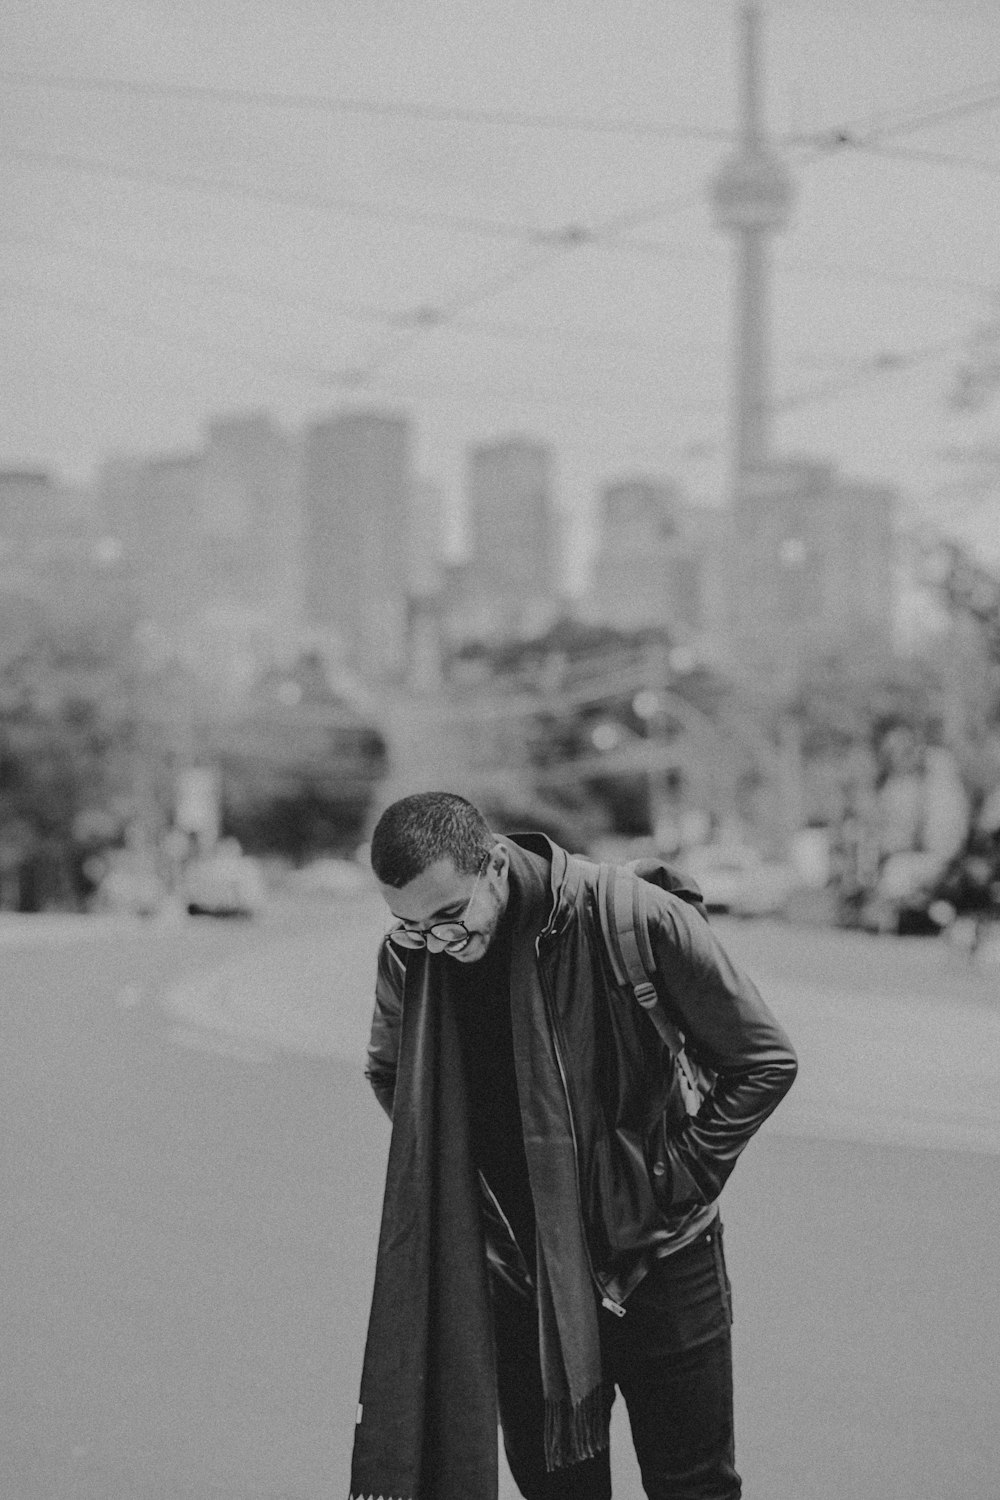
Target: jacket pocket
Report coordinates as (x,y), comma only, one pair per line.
(674,1187)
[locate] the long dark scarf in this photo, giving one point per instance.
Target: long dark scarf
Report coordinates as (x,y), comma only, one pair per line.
(427,1419)
(577,1404)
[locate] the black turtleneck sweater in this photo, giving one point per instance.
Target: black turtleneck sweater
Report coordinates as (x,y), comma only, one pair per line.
(482,992)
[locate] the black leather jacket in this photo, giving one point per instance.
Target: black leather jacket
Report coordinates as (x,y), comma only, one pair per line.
(648,1174)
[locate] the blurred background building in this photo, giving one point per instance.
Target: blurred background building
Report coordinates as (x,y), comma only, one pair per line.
(310,611)
(357,493)
(215,533)
(511,584)
(52,561)
(252,522)
(650,564)
(813,572)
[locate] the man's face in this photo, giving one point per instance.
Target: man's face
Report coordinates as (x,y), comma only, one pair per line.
(443,894)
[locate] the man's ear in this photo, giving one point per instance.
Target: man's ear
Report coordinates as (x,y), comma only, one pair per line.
(500,860)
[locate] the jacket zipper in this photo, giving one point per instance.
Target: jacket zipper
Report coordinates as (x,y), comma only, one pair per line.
(606,1301)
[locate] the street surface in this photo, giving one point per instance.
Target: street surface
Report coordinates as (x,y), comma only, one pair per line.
(192,1179)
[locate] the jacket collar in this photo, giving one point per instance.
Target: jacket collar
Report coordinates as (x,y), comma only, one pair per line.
(566,873)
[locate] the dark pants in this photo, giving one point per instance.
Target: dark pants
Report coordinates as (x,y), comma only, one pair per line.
(671,1358)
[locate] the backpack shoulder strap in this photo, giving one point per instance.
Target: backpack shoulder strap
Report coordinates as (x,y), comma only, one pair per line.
(621,900)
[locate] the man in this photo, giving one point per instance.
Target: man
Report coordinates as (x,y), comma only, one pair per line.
(537,1131)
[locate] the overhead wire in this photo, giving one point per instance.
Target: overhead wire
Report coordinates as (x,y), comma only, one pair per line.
(834,270)
(139,330)
(874,368)
(887,122)
(905,119)
(323,377)
(842,271)
(292,197)
(281,295)
(556,242)
(388,109)
(427,318)
(611,230)
(866,133)
(931,158)
(870,135)
(571,237)
(367,313)
(316,373)
(352,379)
(568,237)
(159,266)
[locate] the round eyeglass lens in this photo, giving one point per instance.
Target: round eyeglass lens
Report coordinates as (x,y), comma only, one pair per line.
(407,939)
(448,933)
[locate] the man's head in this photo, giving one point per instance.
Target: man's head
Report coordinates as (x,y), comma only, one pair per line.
(442,872)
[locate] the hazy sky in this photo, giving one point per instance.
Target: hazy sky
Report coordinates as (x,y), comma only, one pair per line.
(169,255)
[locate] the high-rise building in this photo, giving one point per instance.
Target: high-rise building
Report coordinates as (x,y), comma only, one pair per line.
(813,575)
(426,588)
(32,507)
(648,568)
(150,511)
(356,487)
(214,533)
(511,587)
(51,564)
(251,521)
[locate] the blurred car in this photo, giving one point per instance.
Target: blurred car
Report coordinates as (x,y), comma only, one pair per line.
(903,899)
(329,875)
(127,883)
(224,883)
(918,894)
(736,878)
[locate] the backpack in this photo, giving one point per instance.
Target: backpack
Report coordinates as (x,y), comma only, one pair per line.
(622,905)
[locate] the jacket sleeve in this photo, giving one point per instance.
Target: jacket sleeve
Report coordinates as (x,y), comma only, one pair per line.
(383,1043)
(729,1028)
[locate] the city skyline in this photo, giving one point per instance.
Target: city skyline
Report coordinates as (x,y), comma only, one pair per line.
(91,498)
(332,529)
(335,531)
(507,223)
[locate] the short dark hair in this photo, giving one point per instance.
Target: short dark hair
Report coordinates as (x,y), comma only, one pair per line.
(415,832)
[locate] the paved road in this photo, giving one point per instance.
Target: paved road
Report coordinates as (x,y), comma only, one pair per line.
(192,1180)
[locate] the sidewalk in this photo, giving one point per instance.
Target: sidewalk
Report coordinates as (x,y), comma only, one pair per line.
(49,929)
(897,1044)
(192,1239)
(309,994)
(898,1040)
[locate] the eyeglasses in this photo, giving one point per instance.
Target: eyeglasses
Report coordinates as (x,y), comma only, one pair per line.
(454,935)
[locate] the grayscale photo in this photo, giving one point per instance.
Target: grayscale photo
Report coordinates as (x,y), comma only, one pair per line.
(500,750)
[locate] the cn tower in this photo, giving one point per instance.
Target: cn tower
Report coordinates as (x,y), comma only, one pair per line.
(752,196)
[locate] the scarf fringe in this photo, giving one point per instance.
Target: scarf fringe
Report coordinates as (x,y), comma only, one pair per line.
(573,1433)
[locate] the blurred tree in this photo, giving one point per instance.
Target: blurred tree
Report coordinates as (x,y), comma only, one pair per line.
(580,691)
(300,764)
(839,710)
(67,732)
(971,591)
